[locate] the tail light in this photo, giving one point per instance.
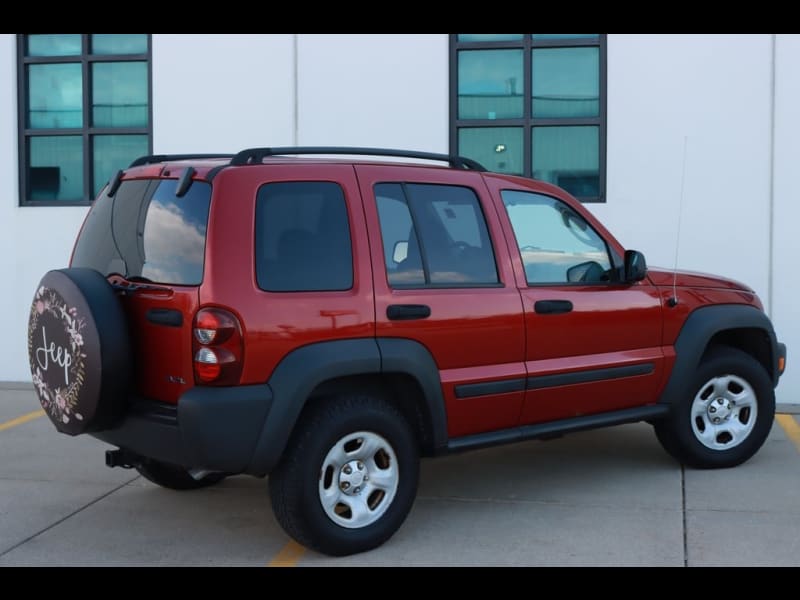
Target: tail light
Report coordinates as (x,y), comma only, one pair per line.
(217,347)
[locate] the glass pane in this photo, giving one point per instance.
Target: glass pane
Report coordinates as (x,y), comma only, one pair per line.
(174,236)
(489,37)
(113,152)
(119,43)
(496,148)
(558,36)
(54,44)
(302,238)
(490,84)
(556,244)
(568,157)
(55,96)
(401,251)
(566,82)
(119,94)
(55,171)
(455,241)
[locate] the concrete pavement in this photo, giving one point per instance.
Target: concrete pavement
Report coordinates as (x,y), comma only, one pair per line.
(606,497)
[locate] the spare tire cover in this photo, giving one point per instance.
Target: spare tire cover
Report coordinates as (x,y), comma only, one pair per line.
(79,350)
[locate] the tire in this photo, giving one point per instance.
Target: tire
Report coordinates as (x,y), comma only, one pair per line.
(79,351)
(175,477)
(341,448)
(733,387)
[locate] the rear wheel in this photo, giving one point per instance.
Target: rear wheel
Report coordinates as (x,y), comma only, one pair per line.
(726,414)
(175,477)
(348,477)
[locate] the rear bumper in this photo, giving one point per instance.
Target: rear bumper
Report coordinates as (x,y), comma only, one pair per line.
(210,428)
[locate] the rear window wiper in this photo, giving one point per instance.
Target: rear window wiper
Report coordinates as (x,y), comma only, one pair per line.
(134,284)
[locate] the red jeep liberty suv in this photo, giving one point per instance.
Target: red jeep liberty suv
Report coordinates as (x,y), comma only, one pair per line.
(329,321)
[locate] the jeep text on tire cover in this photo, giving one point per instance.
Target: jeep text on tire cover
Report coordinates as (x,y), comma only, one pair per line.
(329,321)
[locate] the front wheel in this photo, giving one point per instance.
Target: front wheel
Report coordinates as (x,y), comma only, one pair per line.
(726,414)
(348,477)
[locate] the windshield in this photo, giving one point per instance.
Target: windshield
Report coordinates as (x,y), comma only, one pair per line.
(146,232)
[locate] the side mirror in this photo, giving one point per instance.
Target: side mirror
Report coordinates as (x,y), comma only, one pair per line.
(400,252)
(635,266)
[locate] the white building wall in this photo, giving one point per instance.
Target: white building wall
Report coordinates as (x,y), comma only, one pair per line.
(786,211)
(32,240)
(715,90)
(226,92)
(221,93)
(388,90)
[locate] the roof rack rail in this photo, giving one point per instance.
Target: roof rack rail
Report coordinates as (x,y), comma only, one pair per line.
(157,158)
(256,155)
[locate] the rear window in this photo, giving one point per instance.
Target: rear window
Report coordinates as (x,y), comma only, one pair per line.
(302,238)
(145,232)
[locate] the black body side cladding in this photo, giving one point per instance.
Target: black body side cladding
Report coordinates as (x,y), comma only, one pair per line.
(554,428)
(700,326)
(295,378)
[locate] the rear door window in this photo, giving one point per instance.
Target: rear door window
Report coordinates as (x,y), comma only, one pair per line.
(303,237)
(146,232)
(434,235)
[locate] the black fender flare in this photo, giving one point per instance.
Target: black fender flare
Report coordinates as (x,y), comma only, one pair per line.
(304,368)
(700,326)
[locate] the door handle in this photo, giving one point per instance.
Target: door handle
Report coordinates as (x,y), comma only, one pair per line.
(552,307)
(407,312)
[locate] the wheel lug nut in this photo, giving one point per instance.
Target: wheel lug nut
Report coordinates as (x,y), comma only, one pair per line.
(345,485)
(716,419)
(348,470)
(357,489)
(366,477)
(711,410)
(719,400)
(360,466)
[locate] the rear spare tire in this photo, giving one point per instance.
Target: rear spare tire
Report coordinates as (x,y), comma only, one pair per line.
(79,350)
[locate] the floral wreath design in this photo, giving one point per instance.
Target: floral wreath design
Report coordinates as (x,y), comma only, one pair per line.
(60,403)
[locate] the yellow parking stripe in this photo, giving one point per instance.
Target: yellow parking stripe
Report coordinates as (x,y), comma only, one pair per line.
(289,555)
(20,420)
(791,428)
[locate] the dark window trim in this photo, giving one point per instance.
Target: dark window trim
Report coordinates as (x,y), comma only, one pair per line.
(527,122)
(87,132)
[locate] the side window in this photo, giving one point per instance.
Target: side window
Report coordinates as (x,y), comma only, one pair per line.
(302,238)
(556,244)
(434,235)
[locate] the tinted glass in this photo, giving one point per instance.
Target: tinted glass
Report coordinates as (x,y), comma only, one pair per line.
(146,231)
(489,37)
(490,84)
(453,238)
(55,96)
(556,244)
(566,82)
(496,148)
(119,43)
(55,168)
(303,238)
(558,36)
(401,251)
(119,94)
(568,157)
(54,44)
(113,152)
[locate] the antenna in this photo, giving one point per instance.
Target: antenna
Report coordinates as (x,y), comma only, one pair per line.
(674,300)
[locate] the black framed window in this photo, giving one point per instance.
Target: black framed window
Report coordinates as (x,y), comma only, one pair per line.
(533,105)
(85,110)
